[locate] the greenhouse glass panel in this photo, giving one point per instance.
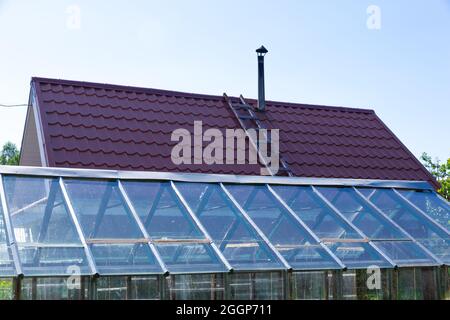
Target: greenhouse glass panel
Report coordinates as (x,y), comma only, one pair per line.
(429,235)
(161,212)
(430,203)
(366,219)
(357,255)
(6,261)
(118,259)
(117,244)
(236,238)
(315,213)
(48,261)
(309,285)
(405,253)
(288,236)
(195,287)
(439,247)
(38,212)
(190,258)
(128,288)
(52,288)
(256,286)
(46,237)
(101,210)
(406,217)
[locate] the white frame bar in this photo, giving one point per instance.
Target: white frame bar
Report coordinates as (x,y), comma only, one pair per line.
(256,228)
(303,224)
(210,178)
(200,226)
(87,250)
(10,231)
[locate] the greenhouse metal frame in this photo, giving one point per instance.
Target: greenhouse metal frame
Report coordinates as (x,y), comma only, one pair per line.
(101,234)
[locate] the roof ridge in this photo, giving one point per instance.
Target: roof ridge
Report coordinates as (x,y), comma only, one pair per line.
(108,86)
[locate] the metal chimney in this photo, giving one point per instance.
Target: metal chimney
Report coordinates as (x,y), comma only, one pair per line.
(261,90)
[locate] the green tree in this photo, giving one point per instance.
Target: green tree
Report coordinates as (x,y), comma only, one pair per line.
(441,171)
(9,155)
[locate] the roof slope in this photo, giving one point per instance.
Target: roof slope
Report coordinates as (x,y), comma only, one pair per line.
(91,125)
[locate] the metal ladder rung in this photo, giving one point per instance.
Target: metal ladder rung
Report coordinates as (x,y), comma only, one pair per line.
(247,117)
(242,106)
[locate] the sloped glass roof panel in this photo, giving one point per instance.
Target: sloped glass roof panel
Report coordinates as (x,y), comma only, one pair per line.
(405,216)
(101,210)
(161,212)
(358,255)
(315,213)
(371,223)
(430,203)
(429,235)
(6,261)
(51,261)
(235,237)
(405,253)
(46,237)
(190,258)
(286,234)
(439,247)
(38,212)
(119,259)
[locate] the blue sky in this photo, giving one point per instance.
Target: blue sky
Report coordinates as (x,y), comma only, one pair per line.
(321,52)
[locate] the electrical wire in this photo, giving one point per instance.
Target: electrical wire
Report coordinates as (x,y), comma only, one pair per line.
(13,105)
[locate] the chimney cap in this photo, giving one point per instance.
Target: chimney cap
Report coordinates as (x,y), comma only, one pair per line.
(262,50)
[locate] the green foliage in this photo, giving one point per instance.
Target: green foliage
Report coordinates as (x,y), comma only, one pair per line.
(5,289)
(441,171)
(9,155)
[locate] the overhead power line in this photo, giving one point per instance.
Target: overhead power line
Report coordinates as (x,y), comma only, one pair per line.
(13,105)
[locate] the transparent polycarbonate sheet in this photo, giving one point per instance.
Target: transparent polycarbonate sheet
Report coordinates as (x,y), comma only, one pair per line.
(161,212)
(356,255)
(6,261)
(53,288)
(190,258)
(46,237)
(256,286)
(309,285)
(430,203)
(49,261)
(38,212)
(325,223)
(118,259)
(366,219)
(195,287)
(405,253)
(235,237)
(439,247)
(413,222)
(101,210)
(286,234)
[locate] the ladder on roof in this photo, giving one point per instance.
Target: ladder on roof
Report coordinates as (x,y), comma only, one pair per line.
(245,114)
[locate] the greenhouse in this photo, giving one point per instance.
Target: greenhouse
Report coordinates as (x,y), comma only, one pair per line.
(102,234)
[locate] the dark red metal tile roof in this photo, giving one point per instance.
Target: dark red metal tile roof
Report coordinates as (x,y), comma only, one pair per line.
(91,125)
